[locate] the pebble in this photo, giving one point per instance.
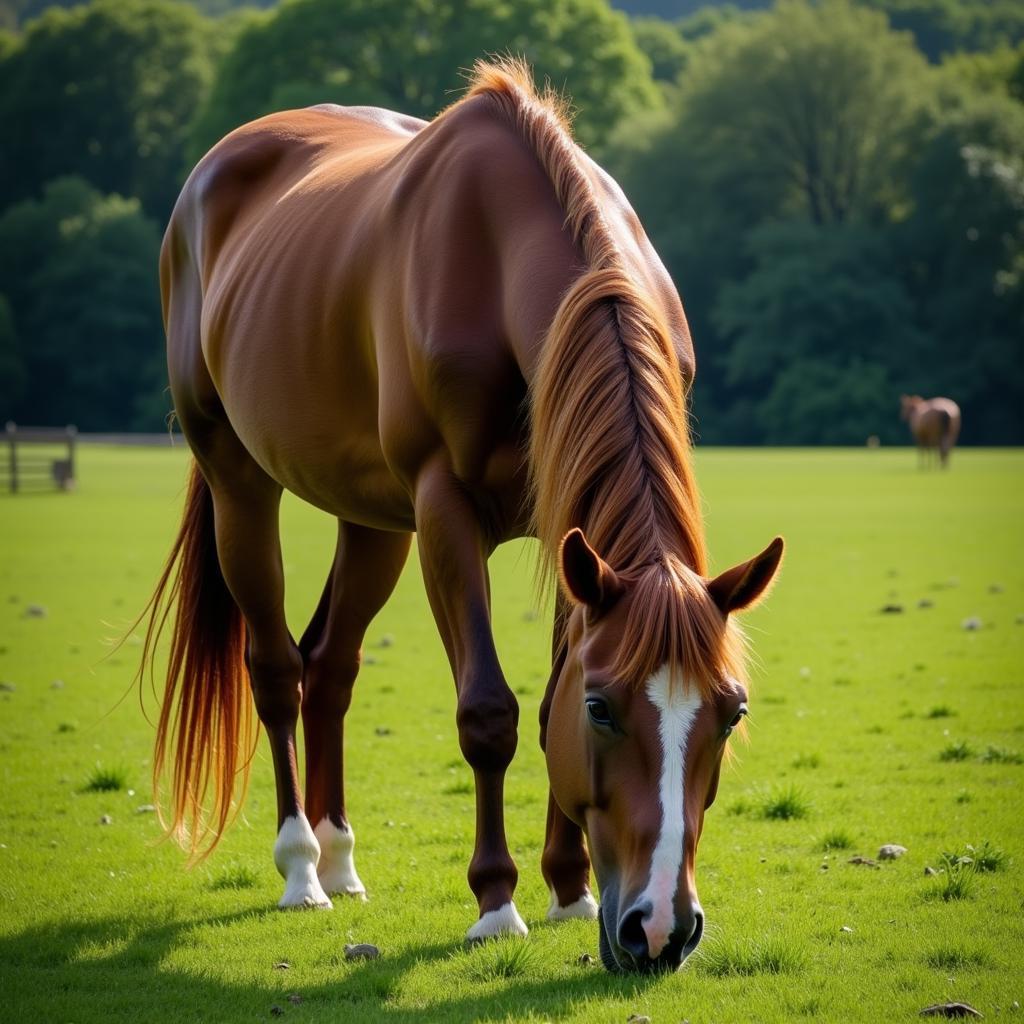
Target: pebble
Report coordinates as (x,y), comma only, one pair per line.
(276,1011)
(295,999)
(891,851)
(361,951)
(950,1010)
(995,588)
(585,960)
(926,602)
(930,872)
(638,1018)
(846,928)
(7,687)
(892,609)
(387,640)
(146,809)
(57,684)
(106,820)
(971,623)
(382,730)
(368,659)
(863,861)
(34,611)
(282,965)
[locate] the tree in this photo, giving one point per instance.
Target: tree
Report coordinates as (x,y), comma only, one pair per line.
(664,45)
(106,91)
(79,269)
(409,55)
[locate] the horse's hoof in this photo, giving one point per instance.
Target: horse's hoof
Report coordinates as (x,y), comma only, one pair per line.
(503,921)
(343,891)
(583,909)
(337,869)
(307,895)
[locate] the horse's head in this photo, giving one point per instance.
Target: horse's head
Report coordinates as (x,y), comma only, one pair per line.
(646,696)
(908,403)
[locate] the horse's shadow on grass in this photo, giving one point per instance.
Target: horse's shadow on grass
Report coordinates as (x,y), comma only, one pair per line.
(92,970)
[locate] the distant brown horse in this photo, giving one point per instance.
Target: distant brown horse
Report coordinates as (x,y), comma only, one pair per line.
(935,424)
(458,329)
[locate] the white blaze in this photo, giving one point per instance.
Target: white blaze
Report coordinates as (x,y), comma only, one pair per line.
(677,709)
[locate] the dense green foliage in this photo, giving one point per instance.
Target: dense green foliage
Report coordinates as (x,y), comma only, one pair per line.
(840,204)
(852,712)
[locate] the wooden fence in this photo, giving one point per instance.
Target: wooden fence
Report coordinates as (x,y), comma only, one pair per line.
(38,458)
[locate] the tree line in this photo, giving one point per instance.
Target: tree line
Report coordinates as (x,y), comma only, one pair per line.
(840,201)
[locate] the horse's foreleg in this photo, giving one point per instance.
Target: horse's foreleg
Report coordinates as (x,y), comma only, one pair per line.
(453,553)
(366,567)
(565,863)
(246,511)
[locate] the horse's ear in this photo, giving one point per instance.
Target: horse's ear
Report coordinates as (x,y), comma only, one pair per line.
(744,584)
(586,576)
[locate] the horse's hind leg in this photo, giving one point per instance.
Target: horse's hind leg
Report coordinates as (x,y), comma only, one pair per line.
(246,503)
(366,568)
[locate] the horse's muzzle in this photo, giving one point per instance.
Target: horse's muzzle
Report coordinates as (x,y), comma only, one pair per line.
(629,950)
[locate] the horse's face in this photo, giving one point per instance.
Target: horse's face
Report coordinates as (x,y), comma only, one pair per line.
(636,762)
(908,403)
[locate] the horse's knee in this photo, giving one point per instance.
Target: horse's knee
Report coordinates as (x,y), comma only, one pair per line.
(327,684)
(276,679)
(488,720)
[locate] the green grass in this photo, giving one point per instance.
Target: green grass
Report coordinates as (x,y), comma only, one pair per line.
(105,780)
(783,803)
(960,751)
(103,924)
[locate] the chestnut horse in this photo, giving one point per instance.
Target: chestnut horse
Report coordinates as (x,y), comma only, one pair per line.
(935,424)
(457,329)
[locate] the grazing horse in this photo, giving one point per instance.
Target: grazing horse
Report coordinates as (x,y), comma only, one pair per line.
(935,424)
(458,329)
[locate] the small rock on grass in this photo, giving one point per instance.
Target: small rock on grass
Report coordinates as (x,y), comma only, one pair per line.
(276,1011)
(926,602)
(146,809)
(638,1018)
(995,588)
(866,862)
(34,611)
(106,820)
(295,999)
(891,851)
(7,687)
(57,684)
(950,1010)
(846,928)
(585,960)
(892,609)
(971,623)
(930,872)
(282,965)
(361,951)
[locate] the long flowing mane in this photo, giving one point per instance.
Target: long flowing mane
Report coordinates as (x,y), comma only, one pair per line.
(610,447)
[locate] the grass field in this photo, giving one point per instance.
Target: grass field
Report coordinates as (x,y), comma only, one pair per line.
(867,728)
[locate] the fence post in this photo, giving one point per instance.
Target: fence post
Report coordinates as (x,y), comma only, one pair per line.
(12,445)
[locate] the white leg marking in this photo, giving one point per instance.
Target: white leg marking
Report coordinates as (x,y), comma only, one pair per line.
(677,709)
(503,921)
(585,908)
(295,854)
(337,868)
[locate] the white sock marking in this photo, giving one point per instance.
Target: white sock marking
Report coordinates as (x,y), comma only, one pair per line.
(503,921)
(337,867)
(677,709)
(585,908)
(296,853)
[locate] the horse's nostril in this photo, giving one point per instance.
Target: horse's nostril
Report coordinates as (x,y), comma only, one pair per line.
(632,937)
(698,930)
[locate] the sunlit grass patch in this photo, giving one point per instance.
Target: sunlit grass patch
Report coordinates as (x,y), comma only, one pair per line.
(784,803)
(806,761)
(837,839)
(1000,755)
(956,879)
(463,788)
(957,958)
(722,957)
(108,779)
(498,958)
(959,751)
(234,876)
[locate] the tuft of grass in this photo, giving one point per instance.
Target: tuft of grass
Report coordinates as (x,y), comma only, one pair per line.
(1000,755)
(806,761)
(837,839)
(458,789)
(784,803)
(956,879)
(985,857)
(723,958)
(940,711)
(107,780)
(235,876)
(956,958)
(66,727)
(960,751)
(499,958)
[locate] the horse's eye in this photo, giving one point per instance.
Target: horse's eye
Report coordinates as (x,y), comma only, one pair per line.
(736,720)
(598,711)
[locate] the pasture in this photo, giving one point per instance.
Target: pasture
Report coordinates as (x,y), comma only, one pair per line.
(866,728)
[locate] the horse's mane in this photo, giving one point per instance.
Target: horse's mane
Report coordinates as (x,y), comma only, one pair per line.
(610,449)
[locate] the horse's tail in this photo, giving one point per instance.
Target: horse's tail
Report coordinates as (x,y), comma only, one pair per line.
(205,715)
